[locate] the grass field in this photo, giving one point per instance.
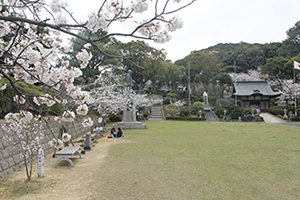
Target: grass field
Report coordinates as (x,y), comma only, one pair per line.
(203,160)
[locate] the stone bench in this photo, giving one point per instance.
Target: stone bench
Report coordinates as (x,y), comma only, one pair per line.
(67,152)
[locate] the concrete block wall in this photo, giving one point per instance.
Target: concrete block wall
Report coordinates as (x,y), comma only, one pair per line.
(10,156)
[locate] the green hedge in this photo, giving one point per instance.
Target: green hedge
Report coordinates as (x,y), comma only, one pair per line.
(295,119)
(275,110)
(186,118)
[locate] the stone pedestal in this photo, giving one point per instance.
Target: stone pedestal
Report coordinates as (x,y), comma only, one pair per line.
(129,121)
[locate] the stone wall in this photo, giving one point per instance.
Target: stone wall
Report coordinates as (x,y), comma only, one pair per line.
(10,157)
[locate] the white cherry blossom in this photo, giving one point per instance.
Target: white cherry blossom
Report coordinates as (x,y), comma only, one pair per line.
(66,137)
(162,37)
(84,57)
(174,24)
(82,109)
(87,122)
(139,6)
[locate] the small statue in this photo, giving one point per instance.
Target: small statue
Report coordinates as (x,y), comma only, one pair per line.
(129,85)
(129,79)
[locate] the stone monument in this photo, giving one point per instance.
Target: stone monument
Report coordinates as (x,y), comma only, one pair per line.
(205,101)
(129,113)
(41,162)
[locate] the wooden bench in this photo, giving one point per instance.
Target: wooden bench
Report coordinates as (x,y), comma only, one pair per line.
(67,152)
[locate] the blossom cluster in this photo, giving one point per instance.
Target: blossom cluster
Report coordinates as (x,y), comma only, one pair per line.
(56,143)
(112,96)
(154,30)
(82,109)
(87,122)
(252,75)
(19,99)
(289,91)
(84,57)
(65,137)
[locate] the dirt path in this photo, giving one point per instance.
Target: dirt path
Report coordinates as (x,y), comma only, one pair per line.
(65,182)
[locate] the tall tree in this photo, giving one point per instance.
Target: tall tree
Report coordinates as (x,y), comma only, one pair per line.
(222,80)
(251,58)
(144,61)
(203,66)
(291,46)
(173,73)
(277,69)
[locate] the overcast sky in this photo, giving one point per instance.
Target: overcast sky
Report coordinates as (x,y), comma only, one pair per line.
(209,22)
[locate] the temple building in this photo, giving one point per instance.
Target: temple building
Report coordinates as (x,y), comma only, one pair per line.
(254,93)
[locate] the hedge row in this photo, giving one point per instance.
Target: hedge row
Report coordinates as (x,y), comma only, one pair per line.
(186,118)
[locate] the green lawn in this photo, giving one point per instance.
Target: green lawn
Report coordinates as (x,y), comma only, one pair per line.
(203,160)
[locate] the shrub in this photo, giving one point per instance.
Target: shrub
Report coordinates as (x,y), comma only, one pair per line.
(236,113)
(248,111)
(248,118)
(186,118)
(295,119)
(277,111)
(197,106)
(220,112)
(280,109)
(166,101)
(172,109)
(184,113)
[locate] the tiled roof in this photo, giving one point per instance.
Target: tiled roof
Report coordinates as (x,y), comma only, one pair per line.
(248,88)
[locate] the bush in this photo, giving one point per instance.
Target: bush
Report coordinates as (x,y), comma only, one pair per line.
(248,118)
(277,111)
(295,119)
(248,111)
(197,106)
(113,117)
(236,113)
(166,101)
(220,112)
(184,113)
(172,109)
(186,118)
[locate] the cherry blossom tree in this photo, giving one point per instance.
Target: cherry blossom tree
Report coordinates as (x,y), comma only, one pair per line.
(31,42)
(289,91)
(252,75)
(31,51)
(111,96)
(24,132)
